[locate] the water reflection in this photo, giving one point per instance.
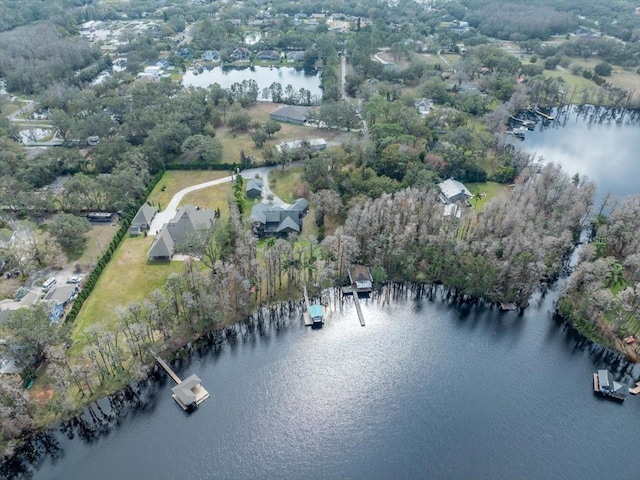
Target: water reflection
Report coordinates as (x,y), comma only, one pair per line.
(276,384)
(596,142)
(264,76)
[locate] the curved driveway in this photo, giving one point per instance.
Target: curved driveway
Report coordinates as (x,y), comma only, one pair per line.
(170,210)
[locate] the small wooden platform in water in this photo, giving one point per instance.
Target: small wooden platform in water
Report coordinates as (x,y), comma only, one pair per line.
(188,393)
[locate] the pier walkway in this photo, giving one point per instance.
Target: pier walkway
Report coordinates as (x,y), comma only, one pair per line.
(356,299)
(167,368)
(305,312)
(188,393)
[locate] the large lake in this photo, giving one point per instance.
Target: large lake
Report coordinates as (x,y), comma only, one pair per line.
(600,143)
(264,76)
(425,390)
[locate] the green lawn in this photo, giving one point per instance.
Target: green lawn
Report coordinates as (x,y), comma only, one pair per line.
(491,189)
(211,198)
(285,183)
(175,180)
(127,277)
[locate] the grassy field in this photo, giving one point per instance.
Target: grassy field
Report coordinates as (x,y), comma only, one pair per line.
(174,181)
(211,198)
(129,276)
(98,238)
(491,189)
(233,144)
(285,183)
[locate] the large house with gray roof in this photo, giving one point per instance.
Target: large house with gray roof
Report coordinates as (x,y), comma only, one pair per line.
(174,234)
(452,191)
(292,114)
(275,221)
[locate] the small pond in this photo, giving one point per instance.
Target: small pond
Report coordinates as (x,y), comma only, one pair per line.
(264,76)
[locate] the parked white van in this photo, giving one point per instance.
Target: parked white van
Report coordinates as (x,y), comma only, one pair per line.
(51,281)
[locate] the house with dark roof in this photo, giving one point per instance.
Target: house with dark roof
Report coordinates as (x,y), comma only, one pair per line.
(143,219)
(360,278)
(211,56)
(173,235)
(292,114)
(301,205)
(424,106)
(240,53)
(268,55)
(294,56)
(254,188)
(452,191)
(275,221)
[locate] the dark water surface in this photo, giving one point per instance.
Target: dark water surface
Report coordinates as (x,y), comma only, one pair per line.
(425,390)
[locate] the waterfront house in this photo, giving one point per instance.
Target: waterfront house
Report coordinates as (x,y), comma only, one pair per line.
(452,191)
(268,55)
(240,53)
(360,278)
(294,56)
(211,56)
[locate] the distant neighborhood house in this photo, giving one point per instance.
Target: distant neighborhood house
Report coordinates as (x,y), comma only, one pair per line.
(211,56)
(424,106)
(268,55)
(292,114)
(294,56)
(172,235)
(314,145)
(240,53)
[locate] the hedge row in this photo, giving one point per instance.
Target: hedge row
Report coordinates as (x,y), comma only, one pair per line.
(202,166)
(106,257)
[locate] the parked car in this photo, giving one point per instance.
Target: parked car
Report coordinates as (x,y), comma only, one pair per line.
(74,279)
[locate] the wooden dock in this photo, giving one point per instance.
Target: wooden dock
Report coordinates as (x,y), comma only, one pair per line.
(635,390)
(544,115)
(356,299)
(305,312)
(167,369)
(188,393)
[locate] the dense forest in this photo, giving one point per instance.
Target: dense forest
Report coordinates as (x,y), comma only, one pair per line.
(602,297)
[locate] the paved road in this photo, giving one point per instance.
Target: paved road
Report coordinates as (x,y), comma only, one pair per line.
(170,210)
(28,108)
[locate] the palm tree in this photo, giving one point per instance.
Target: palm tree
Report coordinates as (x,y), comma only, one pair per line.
(615,276)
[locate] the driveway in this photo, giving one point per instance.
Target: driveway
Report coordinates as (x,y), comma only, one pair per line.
(170,211)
